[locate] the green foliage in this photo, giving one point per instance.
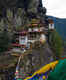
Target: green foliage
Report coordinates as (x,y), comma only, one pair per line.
(34,21)
(39,26)
(1,24)
(19,12)
(56,44)
(9,14)
(4,41)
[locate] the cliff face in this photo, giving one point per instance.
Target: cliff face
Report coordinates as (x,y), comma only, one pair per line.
(20,12)
(19,3)
(7,3)
(30,6)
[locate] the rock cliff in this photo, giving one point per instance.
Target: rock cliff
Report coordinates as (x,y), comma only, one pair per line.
(31,7)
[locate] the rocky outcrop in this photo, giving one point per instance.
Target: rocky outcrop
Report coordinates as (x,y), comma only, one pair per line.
(31,7)
(35,60)
(20,12)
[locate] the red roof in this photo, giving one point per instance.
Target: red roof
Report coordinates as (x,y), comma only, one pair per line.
(50,21)
(23,33)
(17,45)
(31,25)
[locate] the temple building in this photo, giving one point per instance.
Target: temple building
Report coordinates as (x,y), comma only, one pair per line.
(36,32)
(51,24)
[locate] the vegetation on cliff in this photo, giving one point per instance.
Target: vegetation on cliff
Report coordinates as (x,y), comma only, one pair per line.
(56,44)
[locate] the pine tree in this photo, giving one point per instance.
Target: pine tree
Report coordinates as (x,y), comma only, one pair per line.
(56,44)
